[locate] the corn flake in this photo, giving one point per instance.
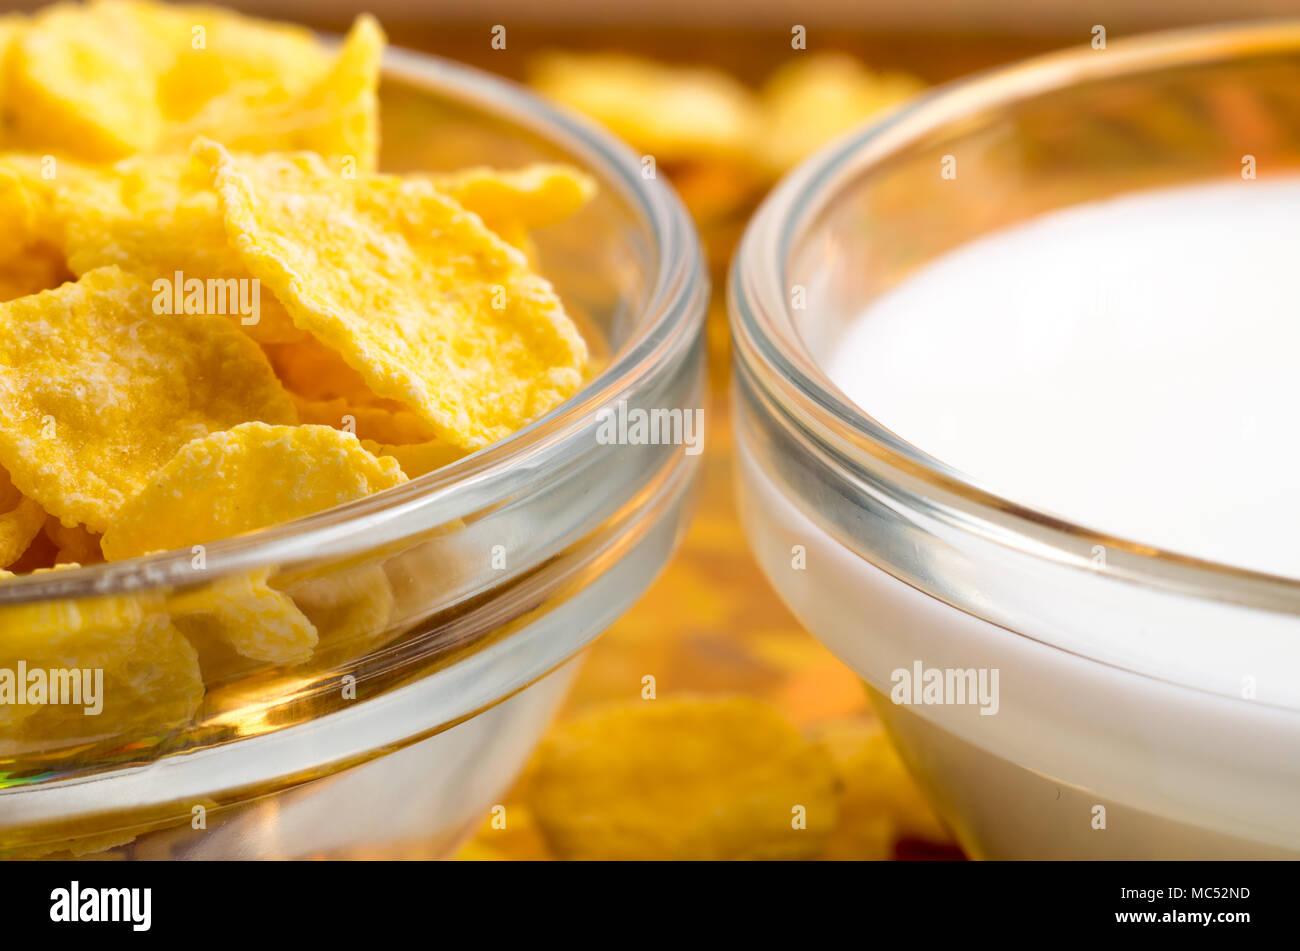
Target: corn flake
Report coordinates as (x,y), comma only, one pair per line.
(17,516)
(813,99)
(151,676)
(108,79)
(81,81)
(429,306)
(337,117)
(248,478)
(377,423)
(416,459)
(76,544)
(34,270)
(350,608)
(154,215)
(528,198)
(671,112)
(220,60)
(684,779)
(97,392)
(18,211)
(316,373)
(18,526)
(881,804)
(248,615)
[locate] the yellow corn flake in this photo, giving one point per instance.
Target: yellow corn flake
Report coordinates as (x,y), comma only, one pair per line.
(514,203)
(813,99)
(41,555)
(670,112)
(527,198)
(153,214)
(509,833)
(82,82)
(684,779)
(377,423)
(76,544)
(416,459)
(9,494)
(350,608)
(518,237)
(316,373)
(10,24)
(32,257)
(248,615)
(337,117)
(409,572)
(217,57)
(151,677)
(881,803)
(18,526)
(19,212)
(417,295)
(34,270)
(108,79)
(157,217)
(97,392)
(26,195)
(248,478)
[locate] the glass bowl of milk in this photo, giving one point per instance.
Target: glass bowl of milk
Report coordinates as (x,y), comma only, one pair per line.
(1018,421)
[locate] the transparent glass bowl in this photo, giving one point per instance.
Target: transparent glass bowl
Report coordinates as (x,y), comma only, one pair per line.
(448,609)
(1157,687)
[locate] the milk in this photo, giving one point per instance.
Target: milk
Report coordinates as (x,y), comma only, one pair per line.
(1132,366)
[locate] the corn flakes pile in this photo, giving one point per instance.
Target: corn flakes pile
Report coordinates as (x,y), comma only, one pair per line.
(216,315)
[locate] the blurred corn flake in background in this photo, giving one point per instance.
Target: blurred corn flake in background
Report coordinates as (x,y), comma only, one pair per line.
(708,777)
(812,100)
(719,142)
(673,113)
(697,778)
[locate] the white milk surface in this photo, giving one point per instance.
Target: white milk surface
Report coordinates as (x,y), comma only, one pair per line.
(1132,366)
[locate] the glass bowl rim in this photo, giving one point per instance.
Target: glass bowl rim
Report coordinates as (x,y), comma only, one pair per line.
(769,348)
(431,500)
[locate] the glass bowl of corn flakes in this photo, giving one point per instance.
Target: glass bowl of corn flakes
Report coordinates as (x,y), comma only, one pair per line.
(311,496)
